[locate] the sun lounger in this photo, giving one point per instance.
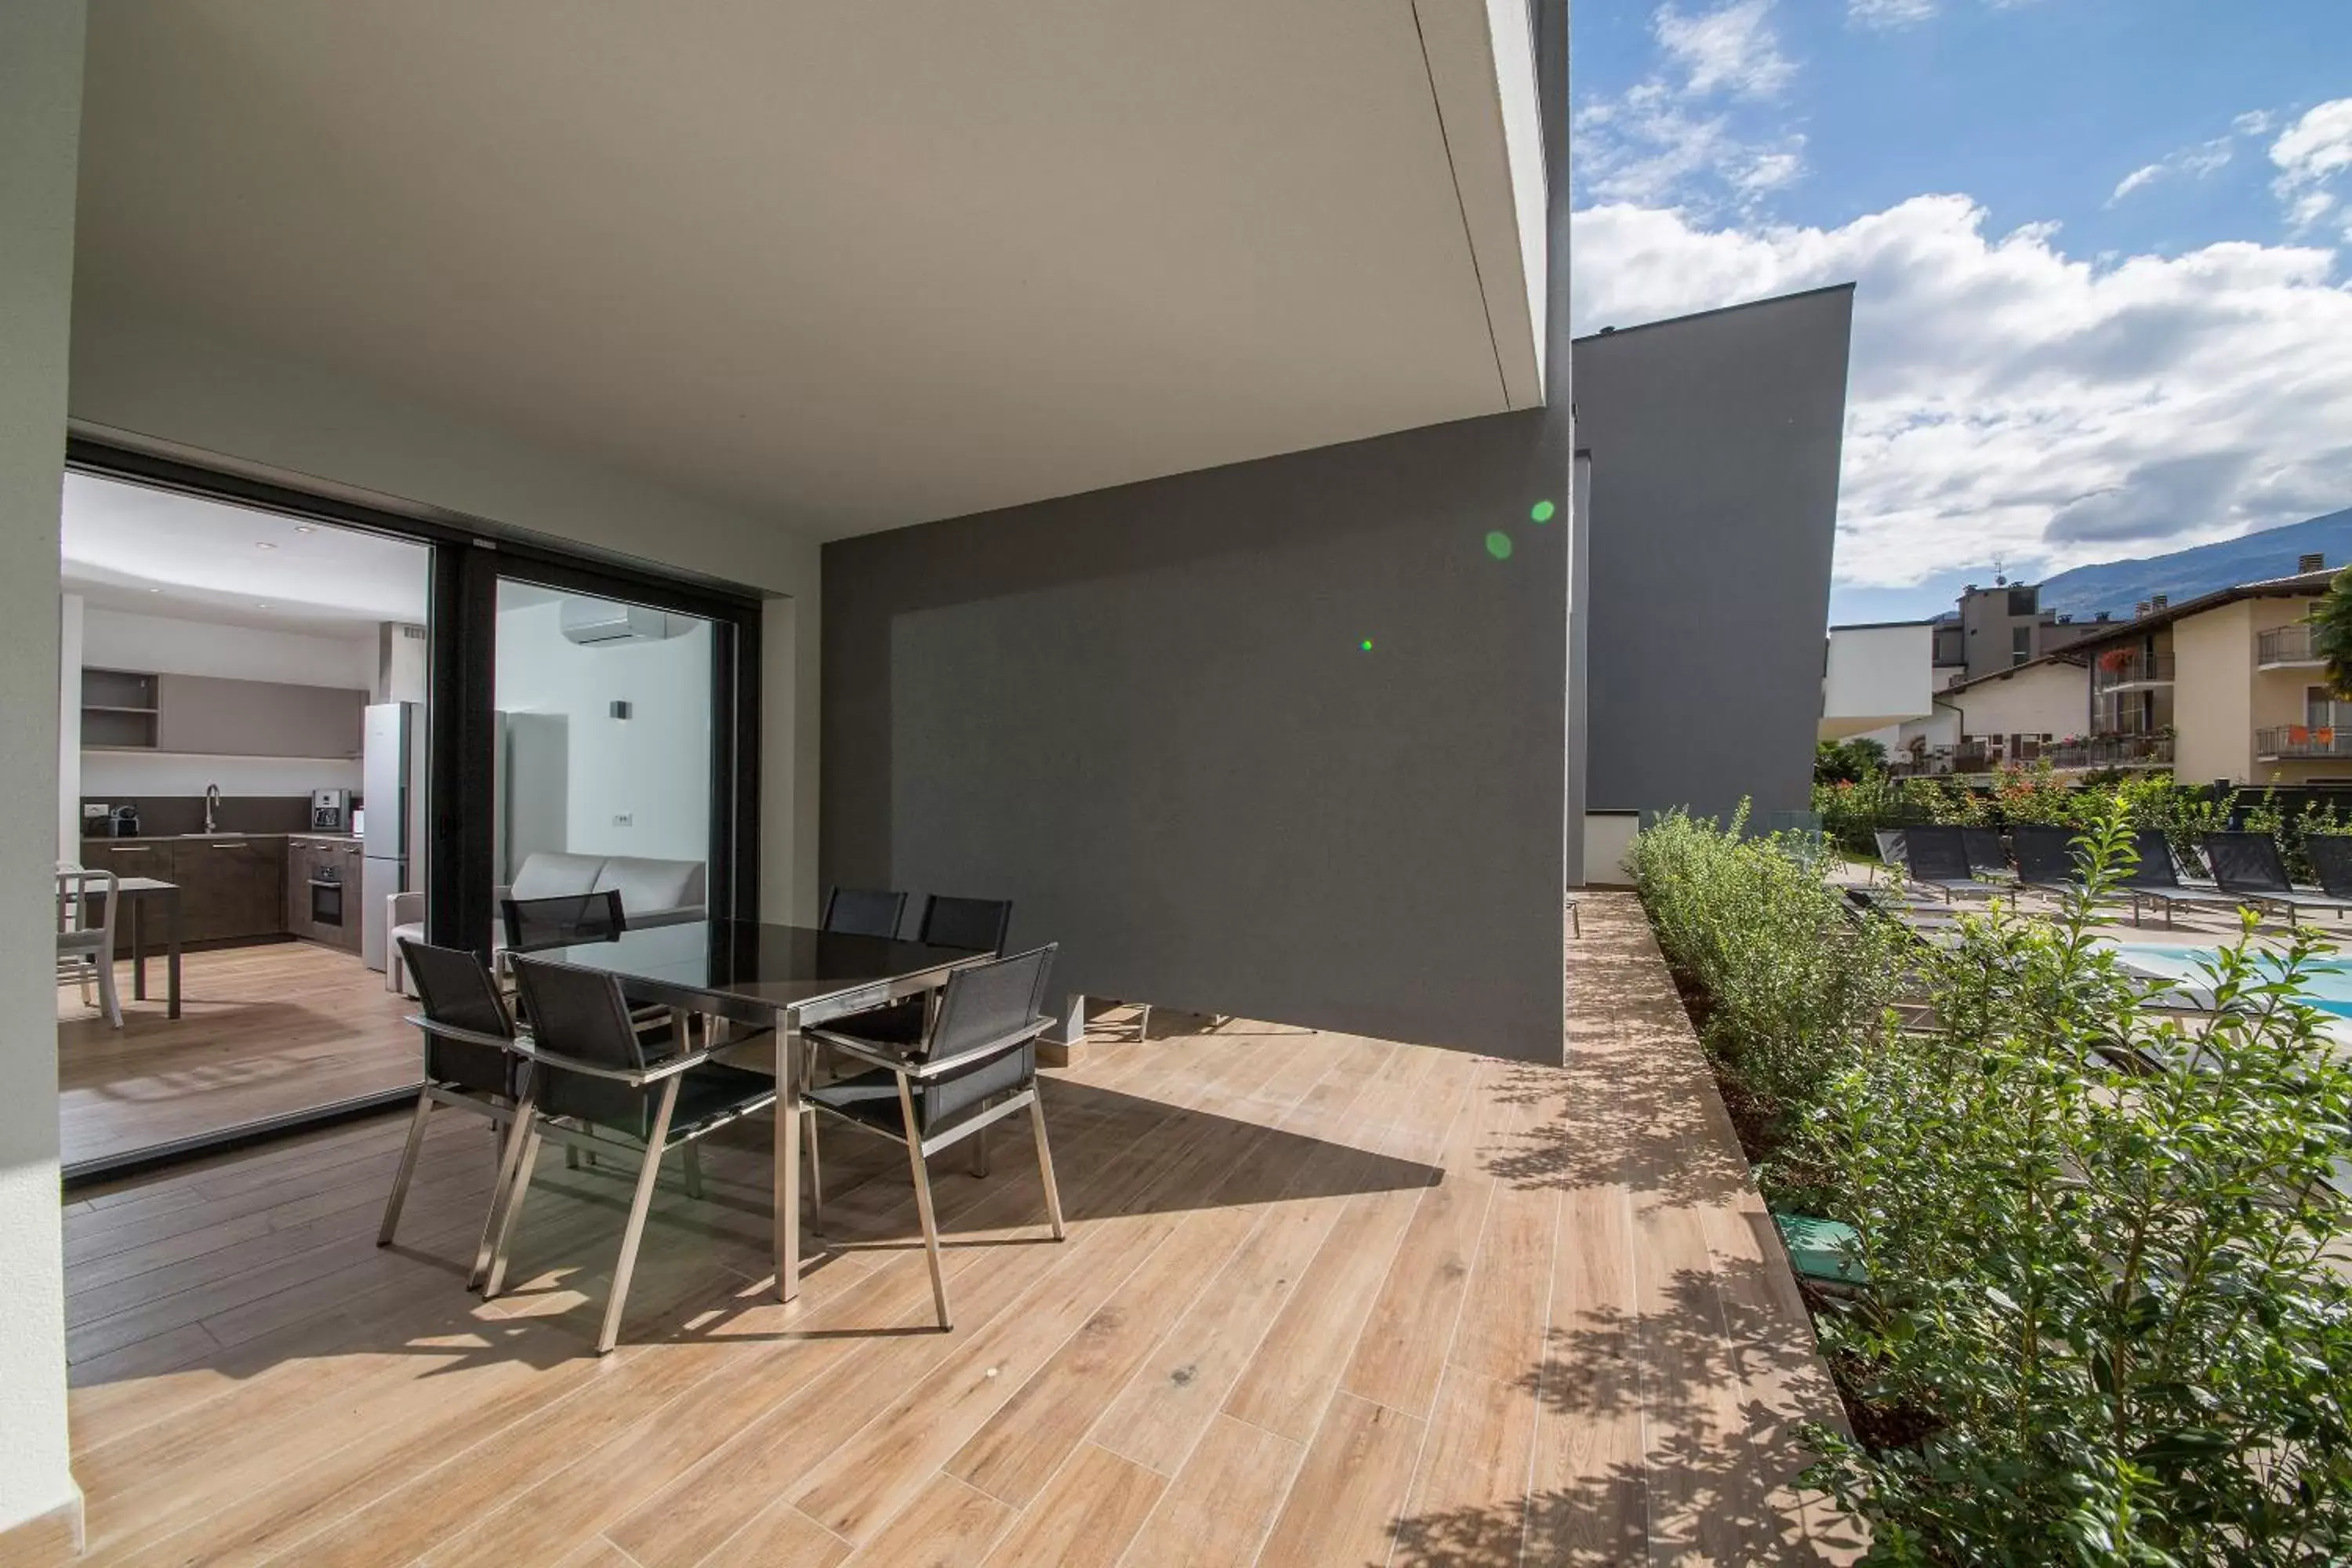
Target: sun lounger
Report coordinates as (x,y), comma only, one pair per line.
(1937,857)
(2157,880)
(2248,867)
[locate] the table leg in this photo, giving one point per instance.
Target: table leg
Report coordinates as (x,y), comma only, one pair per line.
(788,1159)
(171,953)
(138,949)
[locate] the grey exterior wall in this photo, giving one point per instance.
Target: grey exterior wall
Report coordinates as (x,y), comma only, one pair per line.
(1146,716)
(1714,442)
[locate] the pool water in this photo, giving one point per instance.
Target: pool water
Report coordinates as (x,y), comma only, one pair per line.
(2329,981)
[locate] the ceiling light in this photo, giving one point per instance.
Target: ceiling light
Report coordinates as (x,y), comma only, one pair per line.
(263,544)
(261,607)
(154,590)
(304,528)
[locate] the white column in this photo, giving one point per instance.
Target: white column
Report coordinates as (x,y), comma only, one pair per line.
(40,125)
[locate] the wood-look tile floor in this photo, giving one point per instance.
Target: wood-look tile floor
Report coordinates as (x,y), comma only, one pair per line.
(1325,1301)
(262,1031)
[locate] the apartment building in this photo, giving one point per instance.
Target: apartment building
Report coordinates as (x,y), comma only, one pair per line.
(1998,628)
(2228,681)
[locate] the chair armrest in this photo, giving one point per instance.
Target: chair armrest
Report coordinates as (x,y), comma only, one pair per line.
(873,1053)
(466,1037)
(404,908)
(636,1077)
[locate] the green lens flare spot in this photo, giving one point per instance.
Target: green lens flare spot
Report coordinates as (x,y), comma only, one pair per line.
(1368,645)
(1499,545)
(1542,511)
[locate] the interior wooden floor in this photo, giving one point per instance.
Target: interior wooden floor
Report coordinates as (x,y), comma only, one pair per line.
(262,1031)
(1325,1300)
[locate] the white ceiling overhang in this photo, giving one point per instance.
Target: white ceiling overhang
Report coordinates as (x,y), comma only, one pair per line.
(851,266)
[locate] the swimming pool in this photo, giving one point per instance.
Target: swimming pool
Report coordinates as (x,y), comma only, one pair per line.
(2329,981)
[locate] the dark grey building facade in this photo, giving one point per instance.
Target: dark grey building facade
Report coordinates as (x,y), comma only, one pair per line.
(1714,442)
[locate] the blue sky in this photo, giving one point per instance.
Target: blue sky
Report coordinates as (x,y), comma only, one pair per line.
(2102,248)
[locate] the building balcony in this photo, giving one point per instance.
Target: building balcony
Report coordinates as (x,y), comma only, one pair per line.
(2131,671)
(2112,751)
(2287,742)
(2285,648)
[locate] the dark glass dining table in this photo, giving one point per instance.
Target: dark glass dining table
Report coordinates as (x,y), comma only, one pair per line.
(780,977)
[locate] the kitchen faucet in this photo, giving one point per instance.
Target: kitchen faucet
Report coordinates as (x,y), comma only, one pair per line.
(212,803)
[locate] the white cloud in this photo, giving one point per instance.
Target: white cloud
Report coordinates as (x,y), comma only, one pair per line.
(1890,13)
(2311,154)
(1686,136)
(2253,123)
(1731,49)
(2189,162)
(2009,399)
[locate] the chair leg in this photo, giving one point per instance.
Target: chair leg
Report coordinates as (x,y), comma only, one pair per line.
(815,1171)
(979,1153)
(923,1203)
(1045,1162)
(408,1169)
(503,1191)
(638,1206)
(519,1189)
(107,995)
(694,1171)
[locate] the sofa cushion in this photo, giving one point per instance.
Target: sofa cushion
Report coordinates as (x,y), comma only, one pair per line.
(547,875)
(652,886)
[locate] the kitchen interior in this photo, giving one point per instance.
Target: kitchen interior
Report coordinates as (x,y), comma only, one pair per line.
(242,736)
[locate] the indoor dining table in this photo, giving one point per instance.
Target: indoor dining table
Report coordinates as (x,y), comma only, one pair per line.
(785,978)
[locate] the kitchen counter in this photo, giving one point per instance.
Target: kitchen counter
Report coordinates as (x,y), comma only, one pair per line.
(237,886)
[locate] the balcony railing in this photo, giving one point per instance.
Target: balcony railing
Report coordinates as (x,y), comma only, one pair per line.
(2112,751)
(2284,646)
(2113,674)
(2289,740)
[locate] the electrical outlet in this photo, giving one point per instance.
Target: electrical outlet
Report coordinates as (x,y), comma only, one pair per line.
(625,819)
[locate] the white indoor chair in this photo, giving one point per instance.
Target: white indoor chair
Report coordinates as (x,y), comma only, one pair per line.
(86,904)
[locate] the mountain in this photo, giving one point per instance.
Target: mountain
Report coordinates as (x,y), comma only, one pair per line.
(2117,586)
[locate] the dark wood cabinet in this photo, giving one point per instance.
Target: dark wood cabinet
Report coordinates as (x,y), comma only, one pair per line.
(232,887)
(301,855)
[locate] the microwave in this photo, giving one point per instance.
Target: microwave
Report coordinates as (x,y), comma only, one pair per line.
(330,810)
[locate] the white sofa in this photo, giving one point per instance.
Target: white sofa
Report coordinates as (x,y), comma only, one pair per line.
(653,893)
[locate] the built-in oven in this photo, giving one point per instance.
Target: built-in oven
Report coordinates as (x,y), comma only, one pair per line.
(327,898)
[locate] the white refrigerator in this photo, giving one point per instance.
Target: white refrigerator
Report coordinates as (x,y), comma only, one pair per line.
(391,848)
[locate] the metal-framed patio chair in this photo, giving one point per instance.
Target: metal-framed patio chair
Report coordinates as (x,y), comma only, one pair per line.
(975,1065)
(586,1065)
(863,911)
(470,1065)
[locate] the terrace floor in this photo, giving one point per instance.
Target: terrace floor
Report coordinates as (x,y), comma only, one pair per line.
(1325,1300)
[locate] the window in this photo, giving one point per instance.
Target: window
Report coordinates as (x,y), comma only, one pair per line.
(2021,644)
(2025,601)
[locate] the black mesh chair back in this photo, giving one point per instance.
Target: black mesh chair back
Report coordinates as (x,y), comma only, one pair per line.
(2331,860)
(863,911)
(457,991)
(1984,850)
(980,1006)
(2046,855)
(581,1012)
(2246,863)
(2155,868)
(535,925)
(1890,845)
(1936,854)
(977,925)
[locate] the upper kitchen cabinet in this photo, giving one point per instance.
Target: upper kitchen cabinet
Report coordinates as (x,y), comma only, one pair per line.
(205,714)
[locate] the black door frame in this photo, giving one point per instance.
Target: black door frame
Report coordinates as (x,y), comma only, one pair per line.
(462,625)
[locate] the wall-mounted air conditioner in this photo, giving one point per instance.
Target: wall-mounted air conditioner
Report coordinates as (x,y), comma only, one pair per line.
(590,622)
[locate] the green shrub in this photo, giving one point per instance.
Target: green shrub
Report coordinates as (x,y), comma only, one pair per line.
(1795,985)
(2104,1296)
